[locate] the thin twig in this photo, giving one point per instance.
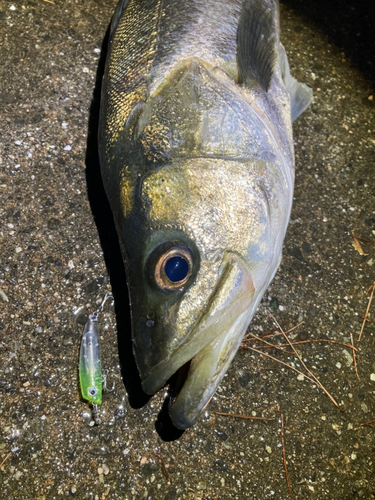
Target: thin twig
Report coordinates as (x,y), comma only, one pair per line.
(268,334)
(361,239)
(294,327)
(269,331)
(366,319)
(305,367)
(345,344)
(268,343)
(372,288)
(365,423)
(5,459)
(284,454)
(241,416)
(281,362)
(160,457)
(354,358)
(49,1)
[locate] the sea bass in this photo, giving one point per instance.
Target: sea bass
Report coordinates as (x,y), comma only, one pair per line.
(197,161)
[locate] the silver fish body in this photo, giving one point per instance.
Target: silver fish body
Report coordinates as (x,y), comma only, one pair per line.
(197,161)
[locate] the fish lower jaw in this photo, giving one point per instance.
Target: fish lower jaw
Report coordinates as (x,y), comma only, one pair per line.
(199,365)
(193,382)
(204,373)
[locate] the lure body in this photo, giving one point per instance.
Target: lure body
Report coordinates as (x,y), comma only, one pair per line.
(90,369)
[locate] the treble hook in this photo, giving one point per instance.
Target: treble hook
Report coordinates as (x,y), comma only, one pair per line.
(101,307)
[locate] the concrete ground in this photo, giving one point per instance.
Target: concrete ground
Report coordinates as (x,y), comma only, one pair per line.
(59,255)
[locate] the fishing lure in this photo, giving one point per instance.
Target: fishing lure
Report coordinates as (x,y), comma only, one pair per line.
(90,366)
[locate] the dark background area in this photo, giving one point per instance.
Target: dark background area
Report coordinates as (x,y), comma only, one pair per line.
(349,24)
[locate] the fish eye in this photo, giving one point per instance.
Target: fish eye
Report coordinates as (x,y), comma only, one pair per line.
(173,268)
(92,391)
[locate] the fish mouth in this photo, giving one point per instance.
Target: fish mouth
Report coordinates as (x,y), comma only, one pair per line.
(200,363)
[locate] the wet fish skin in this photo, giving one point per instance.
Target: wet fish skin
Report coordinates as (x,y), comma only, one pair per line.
(197,160)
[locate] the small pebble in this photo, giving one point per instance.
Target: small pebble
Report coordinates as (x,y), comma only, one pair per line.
(348,357)
(338,365)
(372,377)
(364,408)
(353,456)
(268,450)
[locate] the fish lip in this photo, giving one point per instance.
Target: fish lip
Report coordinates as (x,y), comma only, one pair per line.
(231,297)
(185,410)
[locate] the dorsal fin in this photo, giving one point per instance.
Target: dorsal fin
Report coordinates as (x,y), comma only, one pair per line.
(257,40)
(117,15)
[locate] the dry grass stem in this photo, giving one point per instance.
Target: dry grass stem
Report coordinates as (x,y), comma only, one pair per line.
(160,457)
(354,357)
(363,317)
(365,423)
(248,417)
(267,333)
(281,362)
(268,344)
(372,288)
(5,459)
(284,454)
(305,367)
(361,239)
(345,344)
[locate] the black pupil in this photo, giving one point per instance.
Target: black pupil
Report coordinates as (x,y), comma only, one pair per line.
(176,268)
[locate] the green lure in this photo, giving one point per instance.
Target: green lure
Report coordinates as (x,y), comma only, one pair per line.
(90,367)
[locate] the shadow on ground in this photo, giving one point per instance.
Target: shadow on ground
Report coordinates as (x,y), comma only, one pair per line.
(348,24)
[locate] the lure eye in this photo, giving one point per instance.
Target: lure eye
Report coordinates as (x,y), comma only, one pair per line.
(92,391)
(174,268)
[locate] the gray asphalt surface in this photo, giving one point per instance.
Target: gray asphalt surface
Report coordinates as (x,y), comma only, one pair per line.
(59,255)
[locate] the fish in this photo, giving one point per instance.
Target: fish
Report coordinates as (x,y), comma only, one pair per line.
(197,161)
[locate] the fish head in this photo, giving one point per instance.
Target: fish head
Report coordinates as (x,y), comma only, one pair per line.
(199,256)
(201,200)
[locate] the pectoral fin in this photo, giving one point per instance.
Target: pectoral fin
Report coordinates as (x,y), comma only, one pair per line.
(300,94)
(256,42)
